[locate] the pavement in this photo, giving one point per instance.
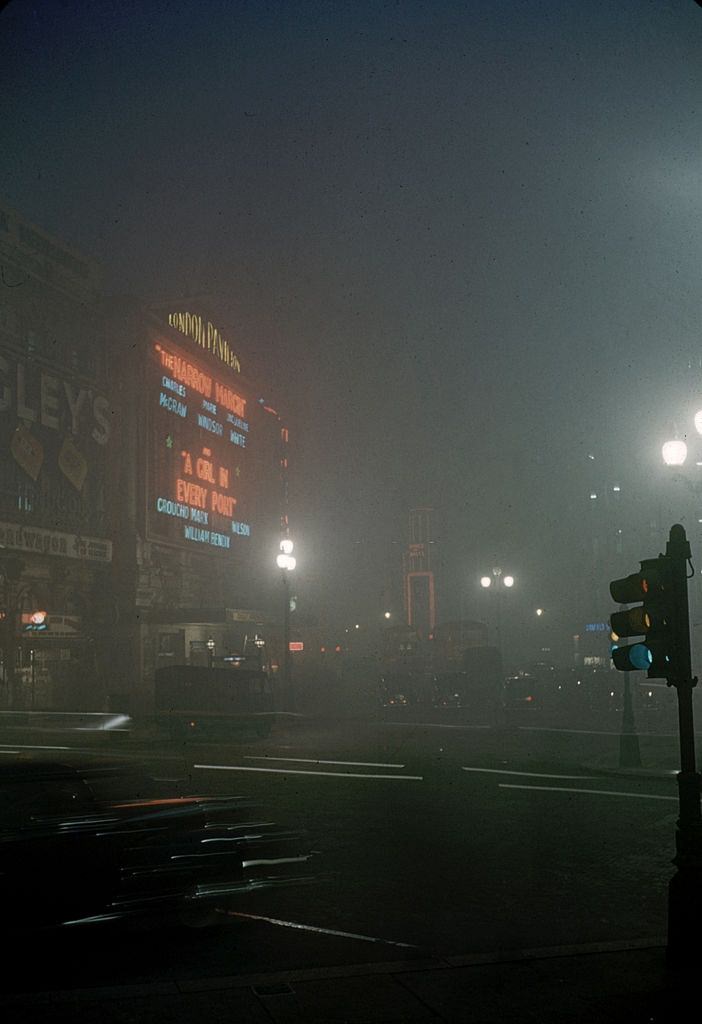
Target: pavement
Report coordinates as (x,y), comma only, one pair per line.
(617,983)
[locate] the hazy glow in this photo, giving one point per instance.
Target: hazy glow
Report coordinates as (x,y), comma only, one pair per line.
(284,561)
(674,453)
(539,611)
(286,546)
(698,422)
(509,581)
(485,581)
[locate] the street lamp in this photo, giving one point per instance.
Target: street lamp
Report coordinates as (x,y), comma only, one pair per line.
(498,581)
(286,562)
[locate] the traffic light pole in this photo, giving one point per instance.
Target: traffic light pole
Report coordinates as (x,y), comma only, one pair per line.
(629,752)
(685,887)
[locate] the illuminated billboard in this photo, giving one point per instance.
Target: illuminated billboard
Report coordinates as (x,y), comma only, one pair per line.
(213,481)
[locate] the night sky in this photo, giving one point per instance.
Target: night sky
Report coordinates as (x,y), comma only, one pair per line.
(463,240)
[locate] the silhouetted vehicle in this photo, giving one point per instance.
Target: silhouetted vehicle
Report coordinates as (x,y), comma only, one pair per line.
(400,689)
(483,673)
(521,692)
(450,690)
(86,845)
(227,697)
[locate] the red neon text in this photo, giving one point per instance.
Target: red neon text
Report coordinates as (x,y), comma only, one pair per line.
(235,403)
(191,494)
(185,372)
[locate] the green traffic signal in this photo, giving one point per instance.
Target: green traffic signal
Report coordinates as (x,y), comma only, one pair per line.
(632,658)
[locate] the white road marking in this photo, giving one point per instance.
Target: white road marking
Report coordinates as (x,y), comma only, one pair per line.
(594,732)
(579,732)
(35,746)
(597,792)
(321,931)
(536,775)
(315,760)
(435,725)
(300,771)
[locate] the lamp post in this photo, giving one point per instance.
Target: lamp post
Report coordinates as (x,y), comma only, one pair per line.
(497,581)
(286,562)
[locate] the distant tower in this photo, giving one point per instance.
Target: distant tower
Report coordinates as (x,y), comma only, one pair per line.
(420,599)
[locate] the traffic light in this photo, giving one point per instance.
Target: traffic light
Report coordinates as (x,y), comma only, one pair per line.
(653,617)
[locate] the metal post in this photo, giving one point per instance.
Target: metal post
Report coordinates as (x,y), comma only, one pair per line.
(287,666)
(629,753)
(685,887)
(498,615)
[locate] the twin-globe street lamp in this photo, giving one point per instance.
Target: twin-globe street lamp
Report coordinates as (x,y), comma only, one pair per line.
(497,581)
(286,562)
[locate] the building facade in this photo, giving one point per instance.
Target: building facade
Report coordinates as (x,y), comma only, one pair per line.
(56,498)
(203,463)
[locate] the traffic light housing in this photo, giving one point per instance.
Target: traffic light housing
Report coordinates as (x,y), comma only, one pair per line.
(653,617)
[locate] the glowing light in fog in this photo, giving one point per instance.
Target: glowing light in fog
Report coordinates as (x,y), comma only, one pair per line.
(674,453)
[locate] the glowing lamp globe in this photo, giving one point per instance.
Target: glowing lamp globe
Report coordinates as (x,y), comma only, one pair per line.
(674,453)
(509,581)
(485,581)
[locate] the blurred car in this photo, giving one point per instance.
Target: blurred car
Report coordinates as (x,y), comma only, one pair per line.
(520,692)
(86,844)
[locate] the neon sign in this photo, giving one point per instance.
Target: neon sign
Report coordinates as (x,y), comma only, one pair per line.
(206,335)
(201,474)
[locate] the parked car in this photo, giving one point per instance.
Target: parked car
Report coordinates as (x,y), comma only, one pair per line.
(85,844)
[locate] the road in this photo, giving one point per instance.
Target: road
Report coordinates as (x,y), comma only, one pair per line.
(431,838)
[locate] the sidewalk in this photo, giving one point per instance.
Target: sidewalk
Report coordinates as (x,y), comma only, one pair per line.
(603,984)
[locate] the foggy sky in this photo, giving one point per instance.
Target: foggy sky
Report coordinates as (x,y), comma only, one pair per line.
(464,239)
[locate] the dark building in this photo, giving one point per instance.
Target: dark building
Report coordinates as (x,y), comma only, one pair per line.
(56,501)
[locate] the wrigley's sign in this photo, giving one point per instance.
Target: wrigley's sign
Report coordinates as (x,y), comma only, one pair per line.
(51,542)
